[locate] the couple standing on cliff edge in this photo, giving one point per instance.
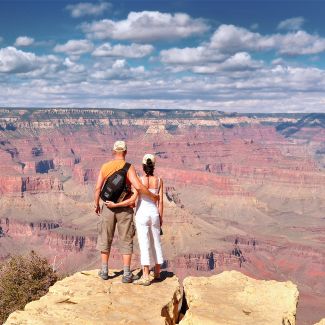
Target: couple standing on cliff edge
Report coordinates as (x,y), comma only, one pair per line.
(146,194)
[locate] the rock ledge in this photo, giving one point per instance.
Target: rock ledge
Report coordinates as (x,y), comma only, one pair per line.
(232,298)
(84,298)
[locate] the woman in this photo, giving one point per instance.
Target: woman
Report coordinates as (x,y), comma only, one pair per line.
(148,219)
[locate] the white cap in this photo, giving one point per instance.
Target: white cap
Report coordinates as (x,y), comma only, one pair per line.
(148,156)
(120,146)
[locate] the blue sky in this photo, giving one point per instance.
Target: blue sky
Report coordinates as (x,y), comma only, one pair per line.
(244,56)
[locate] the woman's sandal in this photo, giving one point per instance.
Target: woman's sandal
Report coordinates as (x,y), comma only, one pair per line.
(142,281)
(157,277)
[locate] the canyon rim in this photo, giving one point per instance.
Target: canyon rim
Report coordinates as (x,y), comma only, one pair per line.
(243,191)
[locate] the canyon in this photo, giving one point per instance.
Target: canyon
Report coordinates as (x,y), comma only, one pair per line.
(242,191)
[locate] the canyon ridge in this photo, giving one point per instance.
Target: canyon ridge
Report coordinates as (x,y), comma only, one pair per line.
(243,192)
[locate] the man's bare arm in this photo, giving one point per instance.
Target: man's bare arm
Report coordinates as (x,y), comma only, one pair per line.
(129,202)
(99,184)
(136,183)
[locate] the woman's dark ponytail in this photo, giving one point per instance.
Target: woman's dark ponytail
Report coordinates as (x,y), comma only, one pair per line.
(149,167)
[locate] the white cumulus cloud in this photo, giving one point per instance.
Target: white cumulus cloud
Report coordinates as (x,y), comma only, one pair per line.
(299,43)
(88,9)
(118,70)
(232,39)
(191,55)
(73,66)
(128,51)
(24,41)
(17,61)
(146,26)
(238,62)
(75,47)
(294,23)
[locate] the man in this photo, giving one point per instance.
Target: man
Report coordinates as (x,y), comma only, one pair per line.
(122,216)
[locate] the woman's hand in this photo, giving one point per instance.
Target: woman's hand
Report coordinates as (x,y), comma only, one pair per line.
(110,204)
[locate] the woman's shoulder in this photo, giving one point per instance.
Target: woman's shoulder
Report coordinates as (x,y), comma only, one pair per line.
(158,180)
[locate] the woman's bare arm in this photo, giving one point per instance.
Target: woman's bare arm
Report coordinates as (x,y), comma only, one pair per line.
(161,201)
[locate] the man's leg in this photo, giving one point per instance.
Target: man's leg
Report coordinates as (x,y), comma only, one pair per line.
(127,259)
(126,232)
(104,258)
(127,265)
(106,228)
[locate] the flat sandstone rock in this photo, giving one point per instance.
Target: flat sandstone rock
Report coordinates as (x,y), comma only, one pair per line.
(84,298)
(231,298)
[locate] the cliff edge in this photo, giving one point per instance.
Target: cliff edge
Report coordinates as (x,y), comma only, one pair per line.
(84,298)
(232,298)
(321,322)
(228,298)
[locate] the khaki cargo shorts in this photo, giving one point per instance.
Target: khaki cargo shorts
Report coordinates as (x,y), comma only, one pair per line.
(109,218)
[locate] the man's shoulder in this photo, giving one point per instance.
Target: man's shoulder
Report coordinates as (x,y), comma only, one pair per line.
(113,164)
(107,164)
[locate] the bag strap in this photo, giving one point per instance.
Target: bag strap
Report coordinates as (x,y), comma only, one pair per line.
(126,167)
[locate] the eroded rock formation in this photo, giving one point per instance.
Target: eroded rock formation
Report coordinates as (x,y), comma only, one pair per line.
(228,298)
(233,298)
(84,298)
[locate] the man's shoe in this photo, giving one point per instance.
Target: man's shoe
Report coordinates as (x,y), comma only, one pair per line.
(130,278)
(135,277)
(103,275)
(143,282)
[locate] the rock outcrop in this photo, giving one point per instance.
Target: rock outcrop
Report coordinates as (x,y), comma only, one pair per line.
(233,298)
(84,298)
(321,322)
(227,298)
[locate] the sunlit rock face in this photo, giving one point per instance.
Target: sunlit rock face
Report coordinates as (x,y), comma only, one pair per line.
(233,298)
(321,322)
(226,298)
(242,191)
(84,298)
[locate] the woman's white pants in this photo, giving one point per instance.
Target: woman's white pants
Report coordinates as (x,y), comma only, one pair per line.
(148,230)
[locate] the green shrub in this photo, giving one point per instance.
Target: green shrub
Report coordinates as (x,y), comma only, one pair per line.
(23,279)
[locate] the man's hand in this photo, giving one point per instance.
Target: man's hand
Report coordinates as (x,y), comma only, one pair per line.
(97,209)
(110,204)
(155,197)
